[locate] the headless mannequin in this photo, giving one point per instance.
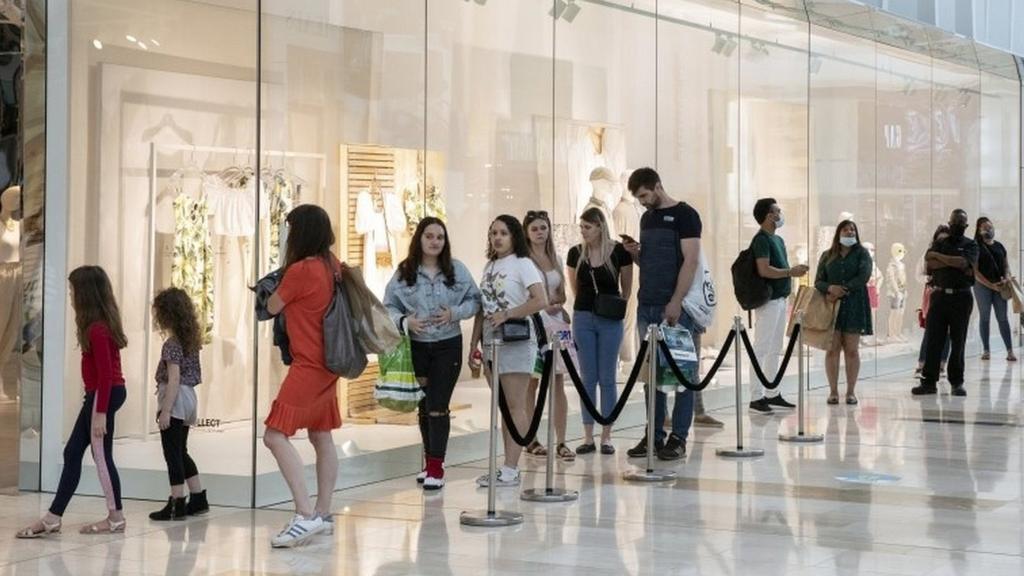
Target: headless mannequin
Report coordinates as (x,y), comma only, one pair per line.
(626,220)
(10,277)
(875,284)
(896,282)
(603,195)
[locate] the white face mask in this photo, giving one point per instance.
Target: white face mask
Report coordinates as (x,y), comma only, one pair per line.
(848,241)
(780,221)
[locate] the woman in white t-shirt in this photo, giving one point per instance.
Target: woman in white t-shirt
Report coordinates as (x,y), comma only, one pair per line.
(511,289)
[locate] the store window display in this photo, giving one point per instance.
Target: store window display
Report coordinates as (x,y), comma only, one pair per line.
(896,292)
(10,283)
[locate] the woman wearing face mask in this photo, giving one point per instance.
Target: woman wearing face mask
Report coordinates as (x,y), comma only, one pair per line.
(511,289)
(542,252)
(992,275)
(843,274)
(427,298)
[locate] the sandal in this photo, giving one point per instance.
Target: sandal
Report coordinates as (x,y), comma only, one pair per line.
(105,526)
(536,449)
(985,355)
(851,400)
(586,448)
(45,529)
(1010,357)
(833,399)
(565,453)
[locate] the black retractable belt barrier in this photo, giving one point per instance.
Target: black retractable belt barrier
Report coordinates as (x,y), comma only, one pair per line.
(542,394)
(588,402)
(773,384)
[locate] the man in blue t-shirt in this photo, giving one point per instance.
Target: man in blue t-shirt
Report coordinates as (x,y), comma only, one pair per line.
(668,253)
(770,319)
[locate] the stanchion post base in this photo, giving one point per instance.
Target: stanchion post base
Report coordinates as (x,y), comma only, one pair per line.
(549,495)
(740,452)
(804,438)
(644,475)
(486,519)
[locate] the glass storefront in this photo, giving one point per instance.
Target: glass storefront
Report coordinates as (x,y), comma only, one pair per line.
(193,127)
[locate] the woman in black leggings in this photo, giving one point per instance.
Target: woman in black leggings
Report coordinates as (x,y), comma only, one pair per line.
(428,296)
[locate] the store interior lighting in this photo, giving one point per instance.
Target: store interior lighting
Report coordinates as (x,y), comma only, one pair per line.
(565,9)
(724,44)
(814,65)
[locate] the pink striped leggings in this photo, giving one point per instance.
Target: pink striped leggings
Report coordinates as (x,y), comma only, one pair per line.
(102,453)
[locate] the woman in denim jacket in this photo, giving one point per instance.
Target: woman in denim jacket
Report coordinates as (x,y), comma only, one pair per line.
(427,297)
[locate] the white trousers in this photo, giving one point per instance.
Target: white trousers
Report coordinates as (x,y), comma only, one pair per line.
(769,332)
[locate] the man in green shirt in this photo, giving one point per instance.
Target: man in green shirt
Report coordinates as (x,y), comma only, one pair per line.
(770,319)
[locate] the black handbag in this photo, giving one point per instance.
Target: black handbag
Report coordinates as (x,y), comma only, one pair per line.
(610,306)
(515,330)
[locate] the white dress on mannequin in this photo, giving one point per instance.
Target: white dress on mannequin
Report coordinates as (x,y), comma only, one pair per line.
(379,229)
(627,221)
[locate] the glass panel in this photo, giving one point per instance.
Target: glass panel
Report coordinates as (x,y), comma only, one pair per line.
(843,176)
(343,128)
(698,81)
(163,138)
(773,146)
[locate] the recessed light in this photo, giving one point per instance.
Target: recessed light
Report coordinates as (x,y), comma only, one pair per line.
(154,42)
(97,44)
(131,38)
(143,46)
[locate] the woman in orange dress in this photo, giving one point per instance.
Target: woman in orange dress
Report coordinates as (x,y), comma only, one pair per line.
(308,395)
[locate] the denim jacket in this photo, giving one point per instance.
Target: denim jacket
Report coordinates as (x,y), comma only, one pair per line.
(428,296)
(264,289)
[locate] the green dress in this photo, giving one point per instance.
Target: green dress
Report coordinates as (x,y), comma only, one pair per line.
(851,272)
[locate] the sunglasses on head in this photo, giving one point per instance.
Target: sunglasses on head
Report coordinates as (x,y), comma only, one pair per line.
(537,214)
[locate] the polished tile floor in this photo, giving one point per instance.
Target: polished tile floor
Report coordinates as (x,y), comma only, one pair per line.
(901,486)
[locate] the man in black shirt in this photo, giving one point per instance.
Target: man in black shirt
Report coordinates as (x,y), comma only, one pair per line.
(951,264)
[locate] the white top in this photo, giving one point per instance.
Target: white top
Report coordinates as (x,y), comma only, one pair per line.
(232,210)
(626,219)
(10,241)
(506,283)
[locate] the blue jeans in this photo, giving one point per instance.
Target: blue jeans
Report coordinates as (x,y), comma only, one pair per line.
(988,299)
(682,409)
(597,341)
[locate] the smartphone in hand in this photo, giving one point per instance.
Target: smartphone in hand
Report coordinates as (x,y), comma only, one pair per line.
(626,238)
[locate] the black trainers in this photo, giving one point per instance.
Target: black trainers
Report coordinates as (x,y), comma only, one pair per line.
(958,391)
(174,510)
(761,407)
(640,450)
(674,449)
(923,389)
(780,402)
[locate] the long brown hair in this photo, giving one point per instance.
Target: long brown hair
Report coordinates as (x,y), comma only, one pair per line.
(408,268)
(92,298)
(549,249)
(836,250)
(174,312)
(309,234)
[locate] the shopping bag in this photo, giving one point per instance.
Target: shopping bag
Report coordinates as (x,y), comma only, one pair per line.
(397,388)
(819,313)
(1016,296)
(700,301)
(684,353)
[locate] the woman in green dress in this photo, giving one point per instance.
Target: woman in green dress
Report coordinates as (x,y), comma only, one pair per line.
(843,274)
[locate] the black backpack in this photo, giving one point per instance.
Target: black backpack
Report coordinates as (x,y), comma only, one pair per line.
(752,291)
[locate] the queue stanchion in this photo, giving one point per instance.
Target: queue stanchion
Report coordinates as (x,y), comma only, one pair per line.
(801,435)
(740,451)
(492,517)
(650,474)
(549,493)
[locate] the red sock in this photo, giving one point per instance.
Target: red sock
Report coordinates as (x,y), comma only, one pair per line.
(435,467)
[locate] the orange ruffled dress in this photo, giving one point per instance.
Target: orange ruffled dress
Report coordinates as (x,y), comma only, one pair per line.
(308,396)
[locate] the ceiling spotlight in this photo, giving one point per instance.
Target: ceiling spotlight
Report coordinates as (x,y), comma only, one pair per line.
(571,11)
(154,42)
(730,47)
(97,44)
(131,38)
(143,45)
(719,44)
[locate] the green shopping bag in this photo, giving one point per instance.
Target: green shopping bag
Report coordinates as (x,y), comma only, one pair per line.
(397,388)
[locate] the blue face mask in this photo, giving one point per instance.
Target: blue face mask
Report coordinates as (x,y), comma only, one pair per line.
(848,241)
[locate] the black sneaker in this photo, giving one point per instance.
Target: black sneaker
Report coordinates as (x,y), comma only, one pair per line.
(674,449)
(640,450)
(761,407)
(780,402)
(923,389)
(958,391)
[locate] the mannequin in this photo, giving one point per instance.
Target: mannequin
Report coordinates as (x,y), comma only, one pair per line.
(875,284)
(10,277)
(379,218)
(626,220)
(896,281)
(603,195)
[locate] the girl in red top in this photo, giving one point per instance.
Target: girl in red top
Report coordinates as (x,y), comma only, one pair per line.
(308,396)
(101,339)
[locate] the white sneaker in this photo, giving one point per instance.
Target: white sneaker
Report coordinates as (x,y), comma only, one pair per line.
(506,477)
(297,531)
(421,477)
(328,524)
(431,483)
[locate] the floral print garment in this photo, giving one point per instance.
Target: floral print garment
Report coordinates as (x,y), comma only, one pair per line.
(192,265)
